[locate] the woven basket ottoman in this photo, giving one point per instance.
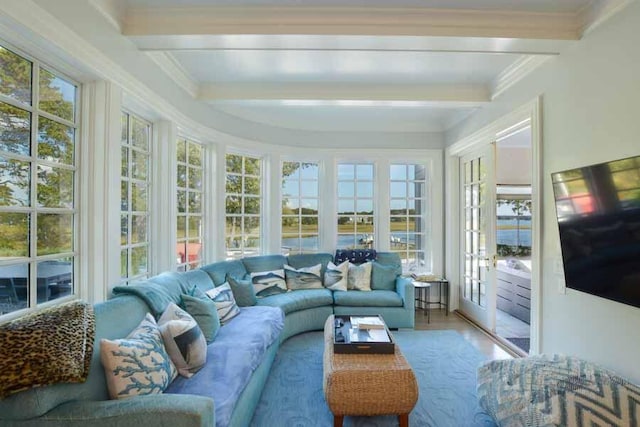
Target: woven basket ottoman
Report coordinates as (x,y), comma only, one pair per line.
(367,384)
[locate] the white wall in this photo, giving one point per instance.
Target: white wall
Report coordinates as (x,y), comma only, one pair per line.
(590,115)
(513,165)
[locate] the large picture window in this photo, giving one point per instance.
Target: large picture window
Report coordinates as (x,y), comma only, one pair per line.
(513,226)
(355,206)
(299,207)
(243,206)
(134,198)
(38,128)
(189,215)
(407,215)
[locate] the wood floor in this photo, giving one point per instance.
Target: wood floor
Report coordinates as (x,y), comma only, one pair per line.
(476,336)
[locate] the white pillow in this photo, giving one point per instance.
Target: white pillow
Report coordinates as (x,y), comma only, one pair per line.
(225,302)
(138,364)
(267,283)
(303,278)
(183,340)
(359,277)
(335,278)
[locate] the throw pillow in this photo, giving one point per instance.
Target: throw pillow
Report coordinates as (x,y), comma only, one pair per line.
(335,278)
(268,283)
(243,291)
(303,278)
(225,303)
(138,364)
(383,277)
(183,340)
(359,277)
(205,312)
(54,345)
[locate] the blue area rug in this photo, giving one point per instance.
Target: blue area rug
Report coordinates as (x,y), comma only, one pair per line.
(445,365)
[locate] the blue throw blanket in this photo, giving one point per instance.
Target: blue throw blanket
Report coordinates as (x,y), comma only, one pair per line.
(237,351)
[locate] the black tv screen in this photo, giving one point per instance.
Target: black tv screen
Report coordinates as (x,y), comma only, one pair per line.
(598,210)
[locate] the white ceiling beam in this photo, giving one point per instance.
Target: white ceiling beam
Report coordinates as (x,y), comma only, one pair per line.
(445,95)
(203,20)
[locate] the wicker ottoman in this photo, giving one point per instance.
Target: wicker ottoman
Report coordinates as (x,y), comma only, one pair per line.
(367,384)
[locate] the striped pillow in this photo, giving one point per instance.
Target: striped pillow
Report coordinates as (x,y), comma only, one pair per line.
(225,303)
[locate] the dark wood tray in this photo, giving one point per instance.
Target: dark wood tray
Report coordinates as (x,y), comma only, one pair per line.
(359,347)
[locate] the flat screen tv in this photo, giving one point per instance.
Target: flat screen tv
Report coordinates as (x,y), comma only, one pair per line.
(598,211)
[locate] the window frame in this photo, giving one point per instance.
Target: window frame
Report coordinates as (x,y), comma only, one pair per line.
(33,209)
(369,239)
(299,215)
(244,250)
(423,236)
(187,214)
(128,246)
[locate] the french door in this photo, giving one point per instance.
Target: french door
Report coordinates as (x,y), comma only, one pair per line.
(478,246)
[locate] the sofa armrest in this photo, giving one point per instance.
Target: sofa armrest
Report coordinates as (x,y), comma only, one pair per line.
(158,410)
(404,288)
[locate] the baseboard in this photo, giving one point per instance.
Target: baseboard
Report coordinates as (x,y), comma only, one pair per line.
(501,342)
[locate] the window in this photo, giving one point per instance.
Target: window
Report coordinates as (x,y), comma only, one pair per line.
(189,187)
(134,198)
(355,206)
(243,206)
(38,128)
(299,207)
(407,202)
(513,227)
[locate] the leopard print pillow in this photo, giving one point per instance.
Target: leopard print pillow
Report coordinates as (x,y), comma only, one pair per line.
(51,346)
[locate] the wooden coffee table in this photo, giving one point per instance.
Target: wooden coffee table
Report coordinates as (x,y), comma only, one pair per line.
(367,384)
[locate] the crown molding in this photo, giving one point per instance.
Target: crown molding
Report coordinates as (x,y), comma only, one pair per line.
(449,95)
(175,71)
(597,12)
(203,20)
(516,72)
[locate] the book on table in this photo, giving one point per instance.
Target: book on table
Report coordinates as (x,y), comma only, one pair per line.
(368,335)
(367,322)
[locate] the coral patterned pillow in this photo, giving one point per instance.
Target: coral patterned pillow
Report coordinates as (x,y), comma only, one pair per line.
(138,364)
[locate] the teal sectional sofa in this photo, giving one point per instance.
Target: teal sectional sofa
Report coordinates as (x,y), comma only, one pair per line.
(226,391)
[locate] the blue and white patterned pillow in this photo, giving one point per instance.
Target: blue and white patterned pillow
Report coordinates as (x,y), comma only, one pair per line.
(183,339)
(359,278)
(556,391)
(225,302)
(268,283)
(138,364)
(303,278)
(335,278)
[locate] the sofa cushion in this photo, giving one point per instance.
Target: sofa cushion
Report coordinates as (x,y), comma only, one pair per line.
(307,260)
(383,277)
(218,271)
(199,279)
(232,358)
(226,304)
(336,276)
(368,299)
(390,258)
(556,390)
(243,291)
(264,263)
(138,364)
(183,340)
(158,291)
(359,277)
(298,300)
(304,277)
(205,312)
(267,283)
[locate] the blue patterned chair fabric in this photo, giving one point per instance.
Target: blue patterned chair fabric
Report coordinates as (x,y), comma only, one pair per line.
(556,391)
(354,256)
